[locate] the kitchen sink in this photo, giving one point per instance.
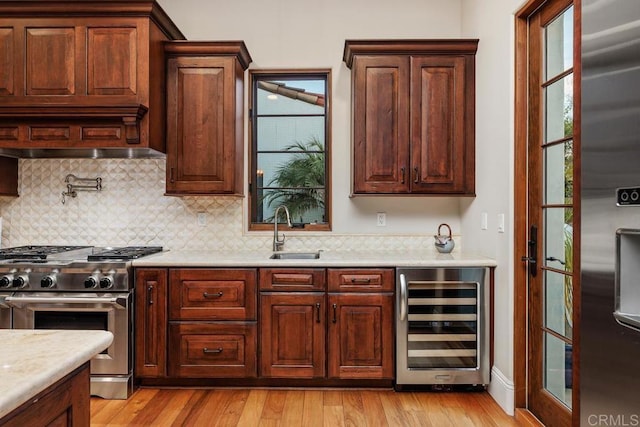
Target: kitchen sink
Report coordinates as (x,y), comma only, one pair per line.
(295,255)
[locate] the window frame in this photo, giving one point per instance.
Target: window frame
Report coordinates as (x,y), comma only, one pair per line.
(290,74)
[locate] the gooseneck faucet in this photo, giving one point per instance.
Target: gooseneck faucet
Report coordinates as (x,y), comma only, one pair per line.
(277,242)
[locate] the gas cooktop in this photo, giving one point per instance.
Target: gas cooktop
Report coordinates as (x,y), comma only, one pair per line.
(37,253)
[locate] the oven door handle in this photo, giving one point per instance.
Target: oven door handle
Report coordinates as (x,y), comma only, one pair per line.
(18,302)
(403,297)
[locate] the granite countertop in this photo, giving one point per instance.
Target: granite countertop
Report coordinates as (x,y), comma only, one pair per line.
(416,258)
(32,360)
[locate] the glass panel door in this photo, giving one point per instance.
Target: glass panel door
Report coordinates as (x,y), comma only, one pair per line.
(551,210)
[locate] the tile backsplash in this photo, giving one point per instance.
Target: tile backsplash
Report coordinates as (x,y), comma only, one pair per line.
(132,209)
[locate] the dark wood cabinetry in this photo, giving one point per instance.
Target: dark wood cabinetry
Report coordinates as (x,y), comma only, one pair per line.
(292,332)
(151,322)
(292,322)
(205,82)
(65,403)
(82,75)
(413,107)
(212,323)
(8,176)
(360,323)
(316,324)
(355,320)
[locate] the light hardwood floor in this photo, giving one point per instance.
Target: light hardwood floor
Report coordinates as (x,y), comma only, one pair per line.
(298,407)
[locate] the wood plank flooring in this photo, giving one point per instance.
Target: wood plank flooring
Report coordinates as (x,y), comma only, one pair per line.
(299,407)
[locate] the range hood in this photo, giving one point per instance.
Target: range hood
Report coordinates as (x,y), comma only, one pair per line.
(67,131)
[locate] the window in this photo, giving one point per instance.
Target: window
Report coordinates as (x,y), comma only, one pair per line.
(290,141)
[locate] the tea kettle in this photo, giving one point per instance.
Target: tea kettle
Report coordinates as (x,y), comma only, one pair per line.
(444,243)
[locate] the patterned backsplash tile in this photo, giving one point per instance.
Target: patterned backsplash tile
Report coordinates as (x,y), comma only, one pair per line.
(132,209)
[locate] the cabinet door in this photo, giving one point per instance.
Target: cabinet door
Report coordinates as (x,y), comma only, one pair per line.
(292,338)
(112,60)
(212,294)
(201,125)
(51,57)
(361,336)
(150,322)
(442,148)
(381,124)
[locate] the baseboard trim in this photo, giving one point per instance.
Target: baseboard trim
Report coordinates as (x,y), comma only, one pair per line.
(502,390)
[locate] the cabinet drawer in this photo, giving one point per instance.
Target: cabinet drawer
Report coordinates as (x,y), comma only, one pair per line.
(205,294)
(212,349)
(359,280)
(292,279)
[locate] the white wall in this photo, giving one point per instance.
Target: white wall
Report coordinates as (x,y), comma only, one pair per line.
(492,21)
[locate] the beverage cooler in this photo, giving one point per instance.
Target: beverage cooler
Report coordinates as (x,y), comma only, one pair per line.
(442,326)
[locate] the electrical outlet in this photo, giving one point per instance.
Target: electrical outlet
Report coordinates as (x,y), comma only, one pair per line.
(381,220)
(202,219)
(501,223)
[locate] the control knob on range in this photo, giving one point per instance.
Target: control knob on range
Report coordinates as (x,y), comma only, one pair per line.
(106,282)
(21,281)
(48,282)
(91,282)
(6,281)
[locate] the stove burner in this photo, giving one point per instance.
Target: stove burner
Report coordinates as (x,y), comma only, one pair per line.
(36,252)
(125,253)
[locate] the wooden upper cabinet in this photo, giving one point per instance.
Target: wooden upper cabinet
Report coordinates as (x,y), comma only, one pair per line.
(83,75)
(205,82)
(413,116)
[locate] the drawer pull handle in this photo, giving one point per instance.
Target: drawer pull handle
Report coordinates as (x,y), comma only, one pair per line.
(208,295)
(362,280)
(317,312)
(212,351)
(335,308)
(150,295)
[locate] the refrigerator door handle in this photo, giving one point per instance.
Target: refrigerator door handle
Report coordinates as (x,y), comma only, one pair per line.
(627,320)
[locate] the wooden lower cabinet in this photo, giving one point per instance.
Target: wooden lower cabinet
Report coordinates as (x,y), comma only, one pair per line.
(212,349)
(65,403)
(322,325)
(360,336)
(292,336)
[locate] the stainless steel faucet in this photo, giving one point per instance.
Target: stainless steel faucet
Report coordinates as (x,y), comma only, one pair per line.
(277,242)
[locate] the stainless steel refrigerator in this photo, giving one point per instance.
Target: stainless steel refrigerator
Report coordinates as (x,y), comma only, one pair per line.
(610,247)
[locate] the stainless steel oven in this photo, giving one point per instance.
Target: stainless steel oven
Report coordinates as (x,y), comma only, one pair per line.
(111,312)
(79,287)
(442,326)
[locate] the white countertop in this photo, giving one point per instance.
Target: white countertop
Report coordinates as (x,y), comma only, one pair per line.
(32,360)
(416,258)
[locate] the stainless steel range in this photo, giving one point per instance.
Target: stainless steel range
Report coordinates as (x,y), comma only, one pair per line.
(76,287)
